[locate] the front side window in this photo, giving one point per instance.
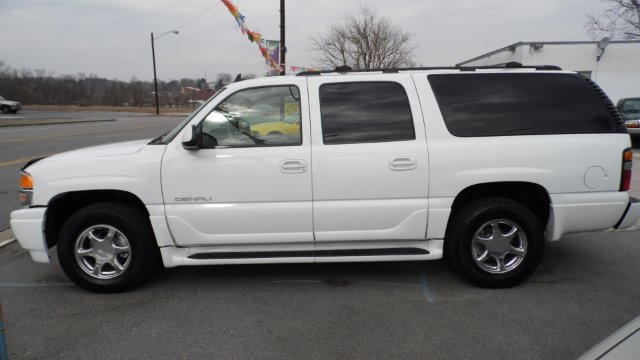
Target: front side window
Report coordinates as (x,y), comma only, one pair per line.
(265,116)
(365,112)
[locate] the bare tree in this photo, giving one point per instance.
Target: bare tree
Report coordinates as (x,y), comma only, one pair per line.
(45,84)
(364,41)
(621,16)
(222,80)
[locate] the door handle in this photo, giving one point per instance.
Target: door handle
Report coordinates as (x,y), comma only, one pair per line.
(293,166)
(403,163)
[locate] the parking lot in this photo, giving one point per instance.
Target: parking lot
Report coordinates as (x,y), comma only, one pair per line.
(586,287)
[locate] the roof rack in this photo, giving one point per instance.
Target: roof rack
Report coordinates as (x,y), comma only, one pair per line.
(510,65)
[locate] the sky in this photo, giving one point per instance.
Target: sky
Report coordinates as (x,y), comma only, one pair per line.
(111,38)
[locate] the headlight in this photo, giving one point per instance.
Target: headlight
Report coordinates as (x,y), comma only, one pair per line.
(26,188)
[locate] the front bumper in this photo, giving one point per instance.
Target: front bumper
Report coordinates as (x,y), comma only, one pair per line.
(28,227)
(631,215)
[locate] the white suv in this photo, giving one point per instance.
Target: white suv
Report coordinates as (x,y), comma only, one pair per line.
(480,166)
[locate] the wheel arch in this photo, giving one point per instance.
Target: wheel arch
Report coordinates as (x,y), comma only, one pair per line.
(62,206)
(533,196)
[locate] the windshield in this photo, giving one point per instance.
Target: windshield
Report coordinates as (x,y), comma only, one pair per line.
(166,138)
(631,105)
(1,98)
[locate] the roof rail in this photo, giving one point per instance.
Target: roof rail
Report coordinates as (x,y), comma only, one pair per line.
(509,65)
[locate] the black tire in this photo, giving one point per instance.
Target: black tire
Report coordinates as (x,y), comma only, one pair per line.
(471,231)
(6,109)
(123,227)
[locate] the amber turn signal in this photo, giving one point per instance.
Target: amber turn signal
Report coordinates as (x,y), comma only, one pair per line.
(26,182)
(628,155)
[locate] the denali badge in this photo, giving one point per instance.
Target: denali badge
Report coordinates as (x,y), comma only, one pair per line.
(198,198)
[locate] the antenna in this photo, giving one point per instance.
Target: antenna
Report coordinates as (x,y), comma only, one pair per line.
(602,44)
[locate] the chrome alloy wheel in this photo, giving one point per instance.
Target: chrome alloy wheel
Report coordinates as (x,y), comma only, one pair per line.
(103,252)
(499,246)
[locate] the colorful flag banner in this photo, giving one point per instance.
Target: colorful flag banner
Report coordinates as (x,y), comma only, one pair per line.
(253,36)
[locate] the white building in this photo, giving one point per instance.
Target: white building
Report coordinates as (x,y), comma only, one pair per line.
(616,70)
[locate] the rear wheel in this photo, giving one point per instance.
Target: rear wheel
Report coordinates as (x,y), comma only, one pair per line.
(107,247)
(5,109)
(494,242)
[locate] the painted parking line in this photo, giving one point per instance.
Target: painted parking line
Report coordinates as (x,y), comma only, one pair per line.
(426,290)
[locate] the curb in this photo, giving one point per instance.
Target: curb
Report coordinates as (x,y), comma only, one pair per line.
(6,242)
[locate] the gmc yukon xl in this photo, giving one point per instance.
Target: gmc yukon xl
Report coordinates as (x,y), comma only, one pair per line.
(479,166)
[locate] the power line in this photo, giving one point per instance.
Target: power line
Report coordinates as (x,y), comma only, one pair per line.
(196,17)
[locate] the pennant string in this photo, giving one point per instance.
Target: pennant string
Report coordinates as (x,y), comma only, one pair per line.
(253,36)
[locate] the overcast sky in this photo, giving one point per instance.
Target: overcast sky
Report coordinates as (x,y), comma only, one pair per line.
(111,38)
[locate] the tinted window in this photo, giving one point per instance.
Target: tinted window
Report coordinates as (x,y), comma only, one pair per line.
(365,112)
(518,104)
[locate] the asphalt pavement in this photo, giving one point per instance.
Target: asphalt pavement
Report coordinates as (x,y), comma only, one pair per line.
(585,289)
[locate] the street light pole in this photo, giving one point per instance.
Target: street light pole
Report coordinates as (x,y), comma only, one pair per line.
(153,54)
(155,79)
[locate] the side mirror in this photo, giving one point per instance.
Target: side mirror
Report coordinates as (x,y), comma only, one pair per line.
(191,138)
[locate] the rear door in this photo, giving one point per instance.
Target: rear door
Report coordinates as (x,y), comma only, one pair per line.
(369,154)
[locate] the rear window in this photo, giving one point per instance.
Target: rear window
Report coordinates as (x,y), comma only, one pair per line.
(518,104)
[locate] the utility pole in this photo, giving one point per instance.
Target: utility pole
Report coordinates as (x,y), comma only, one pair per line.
(283,47)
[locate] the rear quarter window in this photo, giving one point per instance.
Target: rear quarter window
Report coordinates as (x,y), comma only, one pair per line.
(519,104)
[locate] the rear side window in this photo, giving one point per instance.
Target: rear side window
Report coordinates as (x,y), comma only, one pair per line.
(365,112)
(518,104)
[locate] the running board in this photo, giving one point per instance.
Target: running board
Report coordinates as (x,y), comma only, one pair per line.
(312,253)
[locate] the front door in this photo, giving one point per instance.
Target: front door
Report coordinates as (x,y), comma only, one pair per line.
(250,181)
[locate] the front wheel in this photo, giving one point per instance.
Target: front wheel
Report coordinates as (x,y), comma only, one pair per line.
(494,242)
(107,247)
